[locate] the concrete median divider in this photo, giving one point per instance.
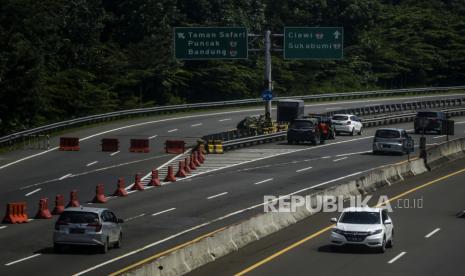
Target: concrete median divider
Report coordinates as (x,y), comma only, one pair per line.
(444,152)
(231,238)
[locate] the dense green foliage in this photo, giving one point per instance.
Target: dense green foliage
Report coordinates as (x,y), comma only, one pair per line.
(61,59)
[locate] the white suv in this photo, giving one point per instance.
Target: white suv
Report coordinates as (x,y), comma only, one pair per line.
(347,123)
(371,227)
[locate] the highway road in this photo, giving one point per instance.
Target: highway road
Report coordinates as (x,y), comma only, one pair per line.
(160,218)
(429,237)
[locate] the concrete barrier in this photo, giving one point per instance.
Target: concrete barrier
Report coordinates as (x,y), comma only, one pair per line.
(233,237)
(444,152)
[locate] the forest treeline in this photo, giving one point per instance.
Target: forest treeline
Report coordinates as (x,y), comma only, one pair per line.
(61,59)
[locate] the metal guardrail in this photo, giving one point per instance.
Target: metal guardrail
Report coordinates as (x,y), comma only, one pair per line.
(264,138)
(173,108)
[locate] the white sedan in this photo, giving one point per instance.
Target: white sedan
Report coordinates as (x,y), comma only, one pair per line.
(371,227)
(347,123)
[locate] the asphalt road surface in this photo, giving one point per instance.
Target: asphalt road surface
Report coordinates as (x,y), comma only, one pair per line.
(429,237)
(158,219)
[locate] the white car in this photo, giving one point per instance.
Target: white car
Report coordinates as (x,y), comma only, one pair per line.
(371,227)
(347,123)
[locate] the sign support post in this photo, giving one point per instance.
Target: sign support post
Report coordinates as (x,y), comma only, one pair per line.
(268,80)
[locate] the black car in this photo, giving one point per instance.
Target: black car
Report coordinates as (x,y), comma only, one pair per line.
(429,121)
(303,130)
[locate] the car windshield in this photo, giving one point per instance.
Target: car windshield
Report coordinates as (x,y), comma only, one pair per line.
(427,114)
(340,118)
(302,124)
(360,218)
(387,133)
(78,217)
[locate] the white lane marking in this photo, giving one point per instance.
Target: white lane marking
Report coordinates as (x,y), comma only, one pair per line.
(23,259)
(194,125)
(339,159)
(459,123)
(212,221)
(397,257)
(154,136)
(353,153)
(2,227)
(432,232)
(91,163)
(95,170)
(27,157)
(326,157)
(263,181)
(162,212)
(223,120)
(213,196)
(173,130)
(65,176)
(132,218)
(115,153)
(440,136)
(304,169)
(33,192)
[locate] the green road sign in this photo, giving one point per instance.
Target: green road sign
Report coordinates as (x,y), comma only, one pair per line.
(210,43)
(313,42)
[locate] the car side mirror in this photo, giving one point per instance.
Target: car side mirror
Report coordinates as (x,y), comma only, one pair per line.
(120,220)
(334,220)
(388,221)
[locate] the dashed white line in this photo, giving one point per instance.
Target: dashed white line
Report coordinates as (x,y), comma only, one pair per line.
(397,257)
(165,211)
(440,136)
(154,136)
(173,130)
(65,176)
(353,153)
(194,125)
(213,196)
(222,120)
(115,153)
(2,227)
(263,181)
(339,159)
(304,169)
(23,259)
(432,233)
(91,163)
(33,192)
(326,157)
(132,218)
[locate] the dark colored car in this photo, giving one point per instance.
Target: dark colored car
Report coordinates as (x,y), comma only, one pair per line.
(429,121)
(303,130)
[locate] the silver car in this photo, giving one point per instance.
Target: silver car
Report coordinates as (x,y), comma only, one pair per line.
(392,140)
(87,226)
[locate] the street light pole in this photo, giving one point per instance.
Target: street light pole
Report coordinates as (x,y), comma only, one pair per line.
(268,81)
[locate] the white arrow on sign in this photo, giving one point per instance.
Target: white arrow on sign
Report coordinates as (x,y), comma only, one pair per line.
(337,34)
(181,35)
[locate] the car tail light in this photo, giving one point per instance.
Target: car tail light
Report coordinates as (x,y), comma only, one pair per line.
(97,226)
(349,122)
(59,223)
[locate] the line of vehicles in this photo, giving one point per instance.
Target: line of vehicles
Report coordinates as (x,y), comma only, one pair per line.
(317,128)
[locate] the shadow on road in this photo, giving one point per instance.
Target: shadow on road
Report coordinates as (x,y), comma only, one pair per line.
(348,249)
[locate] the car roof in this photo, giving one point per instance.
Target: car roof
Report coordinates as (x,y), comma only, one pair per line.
(361,209)
(85,209)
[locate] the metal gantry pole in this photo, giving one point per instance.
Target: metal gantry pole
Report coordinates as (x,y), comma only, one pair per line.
(268,81)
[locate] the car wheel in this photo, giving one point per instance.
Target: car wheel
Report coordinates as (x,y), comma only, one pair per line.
(390,243)
(104,248)
(58,248)
(360,131)
(353,132)
(120,240)
(382,248)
